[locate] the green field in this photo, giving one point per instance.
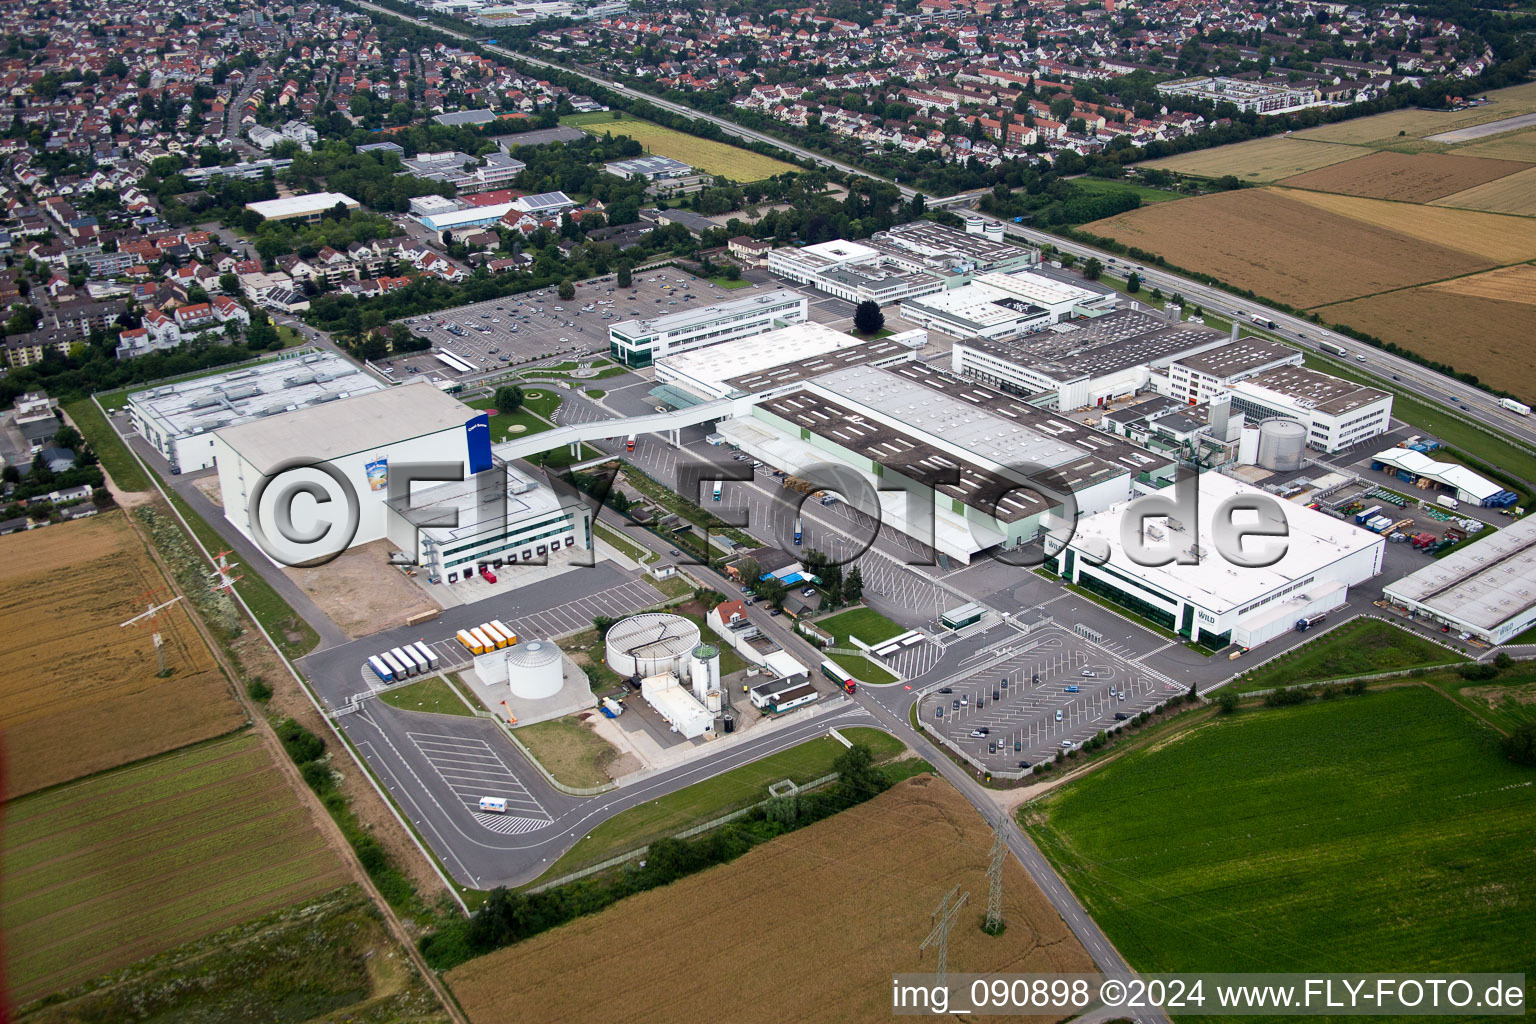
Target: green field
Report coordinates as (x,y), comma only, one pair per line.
(1148,194)
(432,696)
(717,158)
(513,424)
(727,283)
(101,873)
(331,958)
(863,669)
(865,623)
(1356,648)
(1506,702)
(1374,833)
(108,446)
(569,751)
(739,787)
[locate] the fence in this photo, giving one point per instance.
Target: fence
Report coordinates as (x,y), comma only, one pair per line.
(686,833)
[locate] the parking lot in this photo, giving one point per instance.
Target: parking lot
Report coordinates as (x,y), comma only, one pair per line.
(473,769)
(535,326)
(1054,688)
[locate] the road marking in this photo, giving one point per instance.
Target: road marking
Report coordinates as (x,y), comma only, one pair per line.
(471,768)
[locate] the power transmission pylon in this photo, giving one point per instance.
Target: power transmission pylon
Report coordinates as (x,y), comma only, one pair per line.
(994,923)
(944,920)
(149,615)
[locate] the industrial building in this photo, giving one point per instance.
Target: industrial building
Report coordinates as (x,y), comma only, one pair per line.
(466,173)
(778,359)
(639,343)
(906,261)
(664,651)
(651,168)
(544,204)
(179,420)
(309,208)
(521,519)
(993,469)
(1074,365)
(1337,413)
(1200,377)
(1199,593)
(997,306)
(1415,467)
(505,516)
(464,217)
(1487,588)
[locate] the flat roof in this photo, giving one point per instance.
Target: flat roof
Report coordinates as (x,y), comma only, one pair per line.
(1244,355)
(977,306)
(474,214)
(686,318)
(252,393)
(526,496)
(540,137)
(1316,540)
(1484,584)
(937,241)
(298,206)
(349,426)
(714,366)
(1313,390)
(1094,348)
(650,165)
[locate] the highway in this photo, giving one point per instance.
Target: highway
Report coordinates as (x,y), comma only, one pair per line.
(1473,405)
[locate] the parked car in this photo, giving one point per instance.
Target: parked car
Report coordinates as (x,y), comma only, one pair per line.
(1071,688)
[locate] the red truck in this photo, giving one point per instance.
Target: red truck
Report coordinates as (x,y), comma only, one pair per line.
(487,575)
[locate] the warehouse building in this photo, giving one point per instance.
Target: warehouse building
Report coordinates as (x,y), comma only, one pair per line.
(991,468)
(1487,589)
(651,168)
(639,343)
(1085,363)
(999,306)
(309,208)
(1202,595)
(1200,377)
(1337,413)
(179,420)
(503,512)
(777,359)
(1452,478)
(466,217)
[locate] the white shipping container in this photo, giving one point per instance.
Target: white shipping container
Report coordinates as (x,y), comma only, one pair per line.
(405,660)
(416,658)
(426,652)
(394,665)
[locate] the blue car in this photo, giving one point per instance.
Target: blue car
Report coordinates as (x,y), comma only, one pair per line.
(1072,689)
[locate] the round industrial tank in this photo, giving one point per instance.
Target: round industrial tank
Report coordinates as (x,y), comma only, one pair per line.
(651,643)
(993,231)
(713,700)
(534,669)
(1282,444)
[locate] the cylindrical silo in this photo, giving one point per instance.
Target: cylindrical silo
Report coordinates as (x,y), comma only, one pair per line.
(704,669)
(713,700)
(534,669)
(650,643)
(1282,444)
(491,667)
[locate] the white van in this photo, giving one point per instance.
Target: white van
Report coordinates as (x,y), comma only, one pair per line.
(494,804)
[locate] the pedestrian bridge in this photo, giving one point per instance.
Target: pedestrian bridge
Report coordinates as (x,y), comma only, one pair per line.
(670,423)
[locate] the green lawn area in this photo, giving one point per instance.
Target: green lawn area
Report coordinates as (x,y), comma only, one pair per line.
(864,670)
(673,586)
(1495,451)
(430,695)
(593,117)
(616,539)
(1506,701)
(109,448)
(693,805)
(569,751)
(1148,194)
(511,424)
(595,393)
(1375,833)
(724,282)
(290,336)
(1354,649)
(543,400)
(865,623)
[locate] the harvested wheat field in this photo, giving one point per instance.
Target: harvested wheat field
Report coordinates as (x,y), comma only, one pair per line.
(1382,130)
(1282,245)
(1257,160)
(77,692)
(1479,324)
(1491,237)
(809,926)
(1514,194)
(1404,177)
(1520,145)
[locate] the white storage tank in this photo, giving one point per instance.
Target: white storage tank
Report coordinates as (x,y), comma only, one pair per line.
(534,669)
(651,643)
(1282,444)
(491,667)
(713,700)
